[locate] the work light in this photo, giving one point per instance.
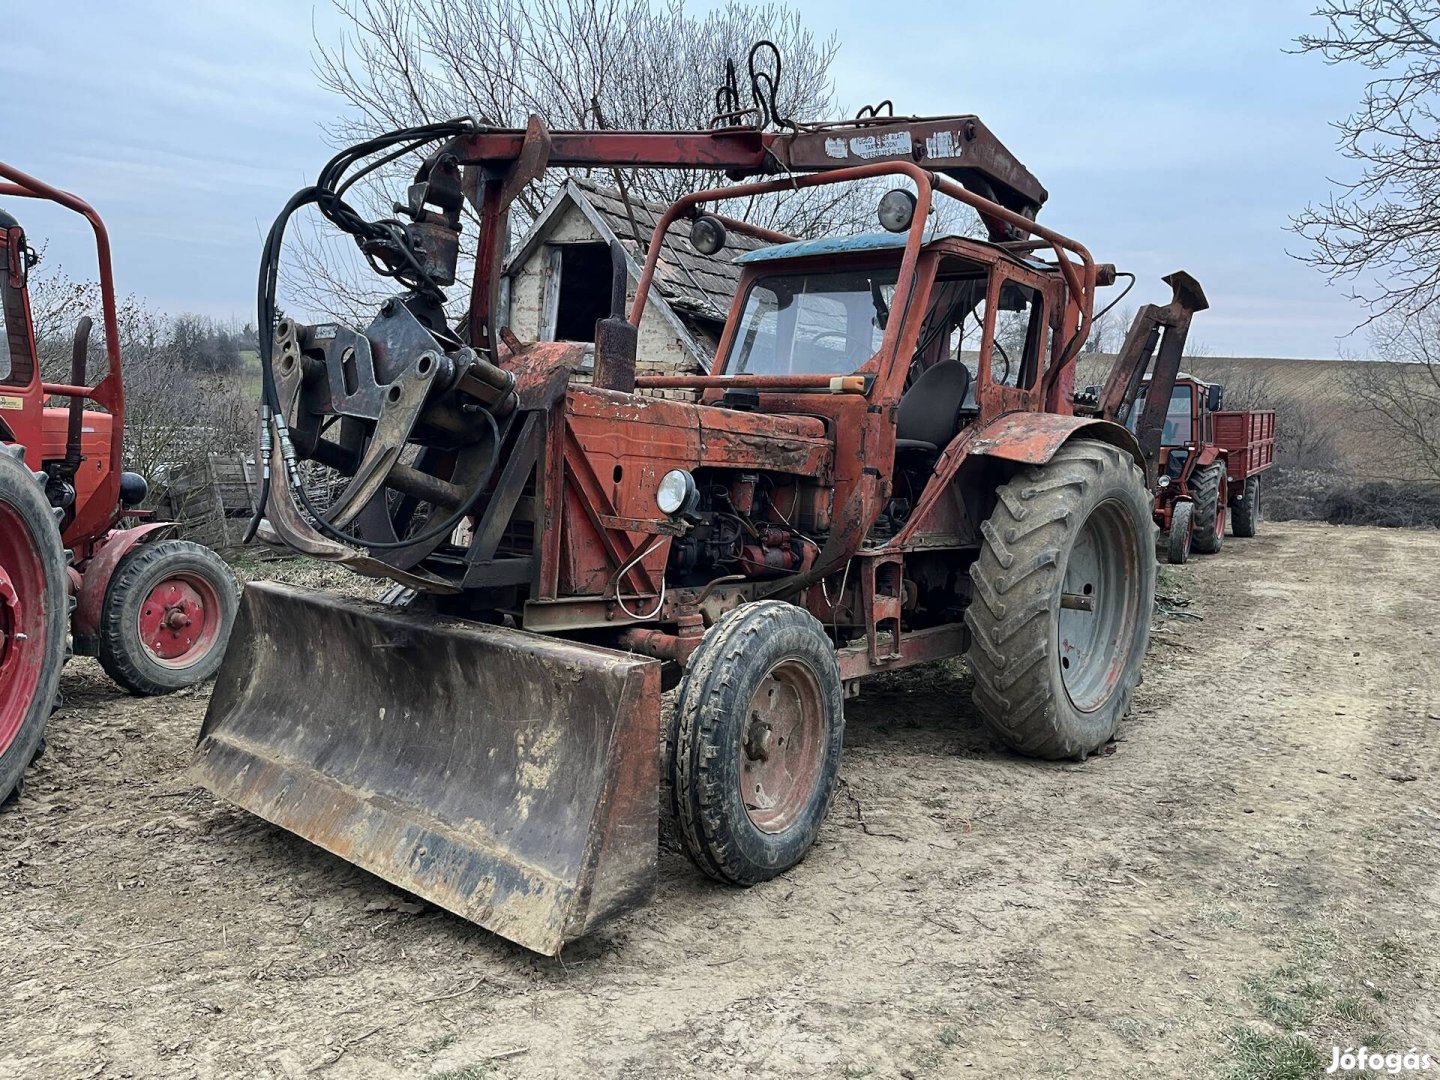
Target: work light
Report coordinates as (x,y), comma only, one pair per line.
(897,210)
(707,234)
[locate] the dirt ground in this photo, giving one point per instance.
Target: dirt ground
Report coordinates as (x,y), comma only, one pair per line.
(1256,859)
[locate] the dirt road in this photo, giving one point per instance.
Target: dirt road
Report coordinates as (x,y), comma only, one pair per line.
(1256,858)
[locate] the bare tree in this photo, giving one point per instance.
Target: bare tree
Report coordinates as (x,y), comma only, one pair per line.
(177,405)
(57,303)
(1383,227)
(579,64)
(1401,390)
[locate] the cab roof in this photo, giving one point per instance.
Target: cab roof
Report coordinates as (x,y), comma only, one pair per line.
(874,241)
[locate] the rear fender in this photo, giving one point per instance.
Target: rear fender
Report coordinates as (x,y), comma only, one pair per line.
(1025,438)
(1032,438)
(96,573)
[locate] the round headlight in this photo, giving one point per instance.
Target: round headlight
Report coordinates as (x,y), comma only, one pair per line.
(1163,482)
(677,493)
(707,234)
(897,210)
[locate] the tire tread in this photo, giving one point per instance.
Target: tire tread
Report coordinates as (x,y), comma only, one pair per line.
(1015,581)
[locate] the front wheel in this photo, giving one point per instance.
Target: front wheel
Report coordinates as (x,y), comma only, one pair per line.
(1063,590)
(755,738)
(1182,530)
(167,616)
(1208,487)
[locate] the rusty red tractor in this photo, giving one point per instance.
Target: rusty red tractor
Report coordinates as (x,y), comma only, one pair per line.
(1210,461)
(156,612)
(886,465)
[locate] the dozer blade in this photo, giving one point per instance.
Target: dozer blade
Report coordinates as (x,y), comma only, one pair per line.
(506,776)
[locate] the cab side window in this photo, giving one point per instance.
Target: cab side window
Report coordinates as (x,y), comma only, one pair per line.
(1021,336)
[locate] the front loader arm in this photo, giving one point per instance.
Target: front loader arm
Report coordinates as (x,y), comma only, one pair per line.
(958,146)
(1168,327)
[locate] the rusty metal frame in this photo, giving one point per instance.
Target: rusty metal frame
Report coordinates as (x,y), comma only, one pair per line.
(100,512)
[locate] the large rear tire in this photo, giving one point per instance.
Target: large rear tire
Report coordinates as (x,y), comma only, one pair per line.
(1052,679)
(34,610)
(167,617)
(1208,489)
(755,738)
(1245,514)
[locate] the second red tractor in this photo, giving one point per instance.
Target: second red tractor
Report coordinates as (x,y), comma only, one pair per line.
(82,567)
(1210,461)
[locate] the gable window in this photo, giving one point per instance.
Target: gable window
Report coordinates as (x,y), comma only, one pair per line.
(581,280)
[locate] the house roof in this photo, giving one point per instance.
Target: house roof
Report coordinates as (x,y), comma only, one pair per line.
(692,284)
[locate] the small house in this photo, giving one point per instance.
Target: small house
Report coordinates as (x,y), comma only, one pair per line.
(558,278)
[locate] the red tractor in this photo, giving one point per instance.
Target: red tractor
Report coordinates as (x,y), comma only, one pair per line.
(1210,461)
(157,612)
(853,493)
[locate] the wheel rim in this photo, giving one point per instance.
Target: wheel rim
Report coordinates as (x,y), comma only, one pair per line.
(1099,607)
(22,622)
(179,620)
(1221,497)
(782,746)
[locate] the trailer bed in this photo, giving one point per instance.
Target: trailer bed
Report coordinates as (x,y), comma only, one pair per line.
(1248,438)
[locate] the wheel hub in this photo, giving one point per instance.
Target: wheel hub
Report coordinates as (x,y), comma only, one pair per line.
(177,620)
(757,739)
(781,754)
(1098,608)
(10,617)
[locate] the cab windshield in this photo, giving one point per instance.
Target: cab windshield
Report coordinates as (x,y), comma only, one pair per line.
(1177,417)
(817,323)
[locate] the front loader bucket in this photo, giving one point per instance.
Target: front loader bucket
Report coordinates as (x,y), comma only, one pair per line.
(506,776)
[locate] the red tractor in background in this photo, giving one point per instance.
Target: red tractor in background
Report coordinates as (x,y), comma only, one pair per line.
(1209,461)
(156,611)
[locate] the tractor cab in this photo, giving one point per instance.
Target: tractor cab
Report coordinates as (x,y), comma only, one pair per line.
(974,331)
(1189,421)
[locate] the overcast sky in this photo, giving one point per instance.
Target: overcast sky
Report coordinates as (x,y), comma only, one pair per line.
(1169,135)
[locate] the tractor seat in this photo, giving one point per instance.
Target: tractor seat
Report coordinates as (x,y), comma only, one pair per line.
(930,410)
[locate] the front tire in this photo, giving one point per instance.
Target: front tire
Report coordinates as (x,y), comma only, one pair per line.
(1182,530)
(167,617)
(34,611)
(755,739)
(1063,590)
(1208,489)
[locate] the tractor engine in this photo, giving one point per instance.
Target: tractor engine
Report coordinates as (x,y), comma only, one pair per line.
(738,527)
